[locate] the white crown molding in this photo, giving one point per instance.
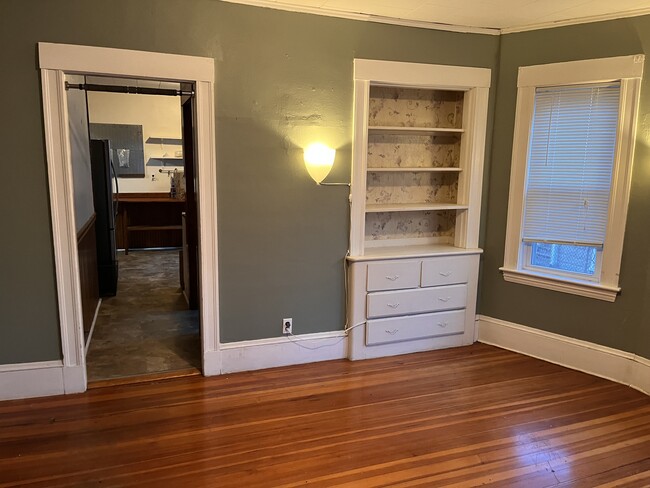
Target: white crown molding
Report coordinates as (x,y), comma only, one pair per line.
(368,17)
(421,24)
(580,20)
(605,362)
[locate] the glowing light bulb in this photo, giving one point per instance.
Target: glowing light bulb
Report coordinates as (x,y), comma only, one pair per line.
(319,160)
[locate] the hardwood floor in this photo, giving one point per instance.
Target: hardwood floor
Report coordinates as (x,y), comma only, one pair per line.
(459,417)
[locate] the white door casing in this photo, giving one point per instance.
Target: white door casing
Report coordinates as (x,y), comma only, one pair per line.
(55,60)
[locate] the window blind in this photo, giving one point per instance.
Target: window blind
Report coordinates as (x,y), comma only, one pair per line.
(570,163)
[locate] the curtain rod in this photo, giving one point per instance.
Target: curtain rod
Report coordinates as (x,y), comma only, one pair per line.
(138,90)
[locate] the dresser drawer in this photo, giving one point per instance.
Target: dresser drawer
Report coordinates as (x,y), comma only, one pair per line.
(446,270)
(394,275)
(421,300)
(382,331)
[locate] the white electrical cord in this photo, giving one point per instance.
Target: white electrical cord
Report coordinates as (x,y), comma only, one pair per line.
(343,337)
(297,343)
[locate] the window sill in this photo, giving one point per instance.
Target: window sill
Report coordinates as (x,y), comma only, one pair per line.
(565,285)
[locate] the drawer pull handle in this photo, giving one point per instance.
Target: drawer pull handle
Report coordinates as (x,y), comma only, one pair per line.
(442,324)
(392,332)
(444,299)
(393,305)
(446,274)
(392,278)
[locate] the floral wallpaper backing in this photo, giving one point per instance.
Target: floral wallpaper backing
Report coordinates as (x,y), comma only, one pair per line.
(412,187)
(410,225)
(409,107)
(406,151)
(406,107)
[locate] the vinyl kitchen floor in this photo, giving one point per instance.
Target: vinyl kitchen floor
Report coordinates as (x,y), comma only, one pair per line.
(146,328)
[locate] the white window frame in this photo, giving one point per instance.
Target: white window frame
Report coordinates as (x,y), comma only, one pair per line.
(627,69)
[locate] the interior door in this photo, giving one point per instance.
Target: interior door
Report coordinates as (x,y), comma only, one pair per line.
(191,245)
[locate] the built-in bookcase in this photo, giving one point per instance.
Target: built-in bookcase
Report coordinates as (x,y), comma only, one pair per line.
(413,165)
(418,155)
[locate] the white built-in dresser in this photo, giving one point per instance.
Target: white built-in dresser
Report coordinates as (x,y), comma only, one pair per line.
(417,172)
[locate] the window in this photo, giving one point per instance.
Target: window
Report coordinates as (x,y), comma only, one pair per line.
(568,178)
(571,168)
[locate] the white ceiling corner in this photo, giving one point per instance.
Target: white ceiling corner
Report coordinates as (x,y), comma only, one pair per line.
(480,16)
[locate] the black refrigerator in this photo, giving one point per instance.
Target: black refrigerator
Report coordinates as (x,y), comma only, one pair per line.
(106,213)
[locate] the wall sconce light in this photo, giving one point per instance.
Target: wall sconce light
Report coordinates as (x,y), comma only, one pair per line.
(319,160)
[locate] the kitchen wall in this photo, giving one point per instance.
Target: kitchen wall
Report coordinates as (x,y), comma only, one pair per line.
(282,80)
(159,116)
(624,324)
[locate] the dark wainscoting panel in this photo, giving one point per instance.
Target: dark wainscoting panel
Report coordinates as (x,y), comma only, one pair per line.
(87,251)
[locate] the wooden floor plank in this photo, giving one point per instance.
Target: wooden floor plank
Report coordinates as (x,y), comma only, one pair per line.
(459,417)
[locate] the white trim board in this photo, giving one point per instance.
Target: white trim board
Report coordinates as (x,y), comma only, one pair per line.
(421,75)
(283,351)
(28,380)
(598,70)
(605,362)
(110,61)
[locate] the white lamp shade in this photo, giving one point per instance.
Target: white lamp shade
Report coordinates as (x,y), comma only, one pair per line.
(319,160)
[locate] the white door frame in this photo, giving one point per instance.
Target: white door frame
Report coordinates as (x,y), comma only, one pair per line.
(55,61)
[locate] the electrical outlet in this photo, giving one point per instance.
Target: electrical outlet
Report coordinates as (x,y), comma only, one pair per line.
(287,326)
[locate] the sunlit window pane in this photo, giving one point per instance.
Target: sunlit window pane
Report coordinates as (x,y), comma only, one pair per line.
(564,257)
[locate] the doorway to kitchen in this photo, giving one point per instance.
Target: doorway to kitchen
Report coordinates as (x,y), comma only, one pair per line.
(137,136)
(56,61)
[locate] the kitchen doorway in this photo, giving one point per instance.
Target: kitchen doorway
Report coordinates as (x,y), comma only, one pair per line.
(58,60)
(140,135)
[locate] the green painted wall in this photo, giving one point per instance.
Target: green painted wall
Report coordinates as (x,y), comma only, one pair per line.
(624,324)
(283,79)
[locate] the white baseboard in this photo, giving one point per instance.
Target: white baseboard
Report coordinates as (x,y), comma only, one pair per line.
(74,379)
(211,363)
(605,362)
(28,380)
(640,375)
(282,351)
(51,378)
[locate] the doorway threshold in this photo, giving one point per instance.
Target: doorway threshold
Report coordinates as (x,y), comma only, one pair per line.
(144,378)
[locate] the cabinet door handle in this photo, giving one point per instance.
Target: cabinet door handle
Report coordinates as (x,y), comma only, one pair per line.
(446,274)
(444,299)
(393,305)
(392,278)
(392,332)
(442,324)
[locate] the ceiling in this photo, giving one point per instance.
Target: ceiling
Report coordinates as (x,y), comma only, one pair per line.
(505,15)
